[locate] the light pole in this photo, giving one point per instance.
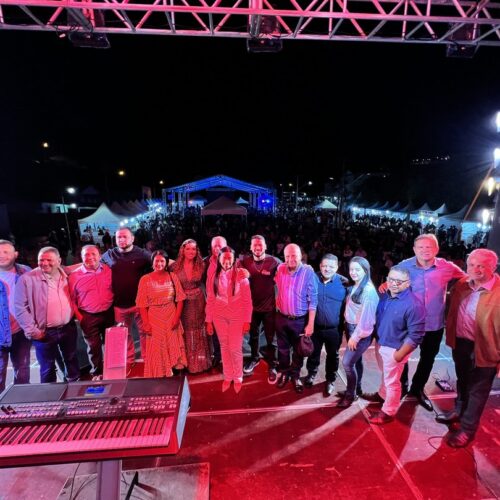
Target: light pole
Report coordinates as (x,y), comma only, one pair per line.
(308,183)
(492,185)
(70,190)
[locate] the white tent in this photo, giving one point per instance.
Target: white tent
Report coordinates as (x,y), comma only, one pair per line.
(241,201)
(325,205)
(223,206)
(102,217)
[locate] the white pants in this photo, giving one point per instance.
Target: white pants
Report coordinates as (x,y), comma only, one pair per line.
(231,346)
(390,385)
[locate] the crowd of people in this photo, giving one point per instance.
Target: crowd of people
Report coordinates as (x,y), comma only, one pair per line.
(192,313)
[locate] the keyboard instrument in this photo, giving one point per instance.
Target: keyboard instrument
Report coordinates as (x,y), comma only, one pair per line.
(109,419)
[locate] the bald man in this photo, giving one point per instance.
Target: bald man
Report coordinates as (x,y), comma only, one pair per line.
(473,333)
(296,304)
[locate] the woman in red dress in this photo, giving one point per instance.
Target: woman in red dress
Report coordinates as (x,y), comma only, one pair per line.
(160,300)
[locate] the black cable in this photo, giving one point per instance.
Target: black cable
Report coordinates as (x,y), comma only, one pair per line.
(468,452)
(73,481)
(481,479)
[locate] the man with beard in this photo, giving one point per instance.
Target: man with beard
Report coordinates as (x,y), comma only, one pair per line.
(13,342)
(128,264)
(262,269)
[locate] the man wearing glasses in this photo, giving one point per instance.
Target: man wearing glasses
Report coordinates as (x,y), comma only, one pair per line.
(400,329)
(430,276)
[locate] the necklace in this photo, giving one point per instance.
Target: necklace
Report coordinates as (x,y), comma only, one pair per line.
(259,265)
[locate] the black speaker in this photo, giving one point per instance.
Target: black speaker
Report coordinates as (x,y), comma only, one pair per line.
(457,47)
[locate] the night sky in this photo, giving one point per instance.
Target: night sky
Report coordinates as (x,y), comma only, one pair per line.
(179,108)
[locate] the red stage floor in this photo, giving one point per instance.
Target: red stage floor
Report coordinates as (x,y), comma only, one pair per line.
(270,443)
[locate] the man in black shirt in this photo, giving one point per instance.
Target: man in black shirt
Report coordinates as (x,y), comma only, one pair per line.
(262,269)
(128,264)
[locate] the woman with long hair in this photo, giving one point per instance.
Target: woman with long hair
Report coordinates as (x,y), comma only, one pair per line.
(160,300)
(229,309)
(189,269)
(360,312)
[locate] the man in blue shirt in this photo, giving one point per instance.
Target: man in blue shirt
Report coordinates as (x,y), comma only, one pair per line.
(430,276)
(400,329)
(331,296)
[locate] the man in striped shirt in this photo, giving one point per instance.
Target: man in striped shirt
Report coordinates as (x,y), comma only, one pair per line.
(296,304)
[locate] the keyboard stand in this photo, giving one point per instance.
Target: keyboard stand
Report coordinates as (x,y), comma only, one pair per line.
(109,472)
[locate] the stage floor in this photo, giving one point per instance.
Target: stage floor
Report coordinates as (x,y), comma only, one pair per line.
(271,443)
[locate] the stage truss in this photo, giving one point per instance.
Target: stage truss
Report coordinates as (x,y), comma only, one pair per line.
(398,21)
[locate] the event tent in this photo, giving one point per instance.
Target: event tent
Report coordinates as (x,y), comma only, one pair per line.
(223,206)
(325,205)
(102,217)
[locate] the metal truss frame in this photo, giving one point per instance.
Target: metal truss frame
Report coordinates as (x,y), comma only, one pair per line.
(464,22)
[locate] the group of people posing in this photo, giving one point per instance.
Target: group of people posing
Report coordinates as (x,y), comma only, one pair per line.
(193,313)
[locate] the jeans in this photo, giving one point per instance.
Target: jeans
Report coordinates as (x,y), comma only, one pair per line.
(353,364)
(62,338)
(428,352)
(128,316)
(19,352)
(288,332)
(331,338)
(267,319)
(473,385)
(94,327)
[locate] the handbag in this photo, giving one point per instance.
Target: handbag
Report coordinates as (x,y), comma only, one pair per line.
(305,346)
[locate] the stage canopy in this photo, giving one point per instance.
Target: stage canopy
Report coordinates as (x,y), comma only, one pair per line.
(325,205)
(260,197)
(102,217)
(223,206)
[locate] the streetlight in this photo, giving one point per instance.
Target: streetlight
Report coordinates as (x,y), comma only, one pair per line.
(70,190)
(492,183)
(308,183)
(45,145)
(121,173)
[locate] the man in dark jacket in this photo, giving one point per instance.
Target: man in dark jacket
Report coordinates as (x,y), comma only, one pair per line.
(331,296)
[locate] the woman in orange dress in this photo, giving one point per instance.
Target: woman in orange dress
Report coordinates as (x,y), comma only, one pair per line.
(189,269)
(160,299)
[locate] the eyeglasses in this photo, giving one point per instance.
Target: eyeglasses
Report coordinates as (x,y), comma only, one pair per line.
(395,281)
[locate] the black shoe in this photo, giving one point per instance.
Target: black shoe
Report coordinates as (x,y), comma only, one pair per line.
(422,399)
(250,366)
(329,388)
(341,394)
(448,417)
(404,390)
(272,376)
(374,397)
(458,438)
(298,385)
(283,380)
(309,381)
(359,391)
(380,418)
(346,401)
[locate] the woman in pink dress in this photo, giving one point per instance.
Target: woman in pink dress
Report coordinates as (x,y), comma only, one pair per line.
(229,309)
(160,300)
(189,268)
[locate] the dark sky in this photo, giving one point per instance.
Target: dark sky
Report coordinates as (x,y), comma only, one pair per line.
(175,108)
